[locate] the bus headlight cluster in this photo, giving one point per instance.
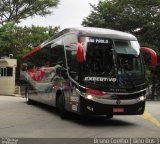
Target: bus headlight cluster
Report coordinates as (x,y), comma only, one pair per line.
(89,97)
(142,98)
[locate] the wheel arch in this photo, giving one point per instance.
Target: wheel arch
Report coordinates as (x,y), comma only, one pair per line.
(26,89)
(58,93)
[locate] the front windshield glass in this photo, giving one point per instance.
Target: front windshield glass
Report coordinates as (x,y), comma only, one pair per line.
(129,63)
(106,60)
(127,47)
(99,62)
(99,59)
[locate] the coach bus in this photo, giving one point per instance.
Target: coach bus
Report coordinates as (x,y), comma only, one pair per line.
(87,71)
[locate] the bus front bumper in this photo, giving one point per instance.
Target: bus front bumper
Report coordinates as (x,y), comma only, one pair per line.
(112,107)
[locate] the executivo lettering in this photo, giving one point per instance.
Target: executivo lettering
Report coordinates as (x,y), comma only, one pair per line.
(101,79)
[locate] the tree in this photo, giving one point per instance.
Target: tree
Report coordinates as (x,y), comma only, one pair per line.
(7,39)
(19,40)
(29,37)
(139,17)
(21,9)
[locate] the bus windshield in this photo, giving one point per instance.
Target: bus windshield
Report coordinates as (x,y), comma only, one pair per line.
(107,60)
(99,58)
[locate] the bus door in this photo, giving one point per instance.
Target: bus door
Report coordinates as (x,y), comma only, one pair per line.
(73,73)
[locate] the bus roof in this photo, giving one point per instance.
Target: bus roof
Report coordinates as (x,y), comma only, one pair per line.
(96,32)
(102,32)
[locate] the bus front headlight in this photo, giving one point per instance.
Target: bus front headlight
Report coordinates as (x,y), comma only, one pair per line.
(89,97)
(142,98)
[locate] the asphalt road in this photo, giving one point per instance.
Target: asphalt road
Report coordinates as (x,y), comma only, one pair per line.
(17,119)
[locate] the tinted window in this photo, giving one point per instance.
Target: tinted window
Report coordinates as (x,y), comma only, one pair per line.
(6,71)
(99,58)
(57,55)
(47,56)
(71,53)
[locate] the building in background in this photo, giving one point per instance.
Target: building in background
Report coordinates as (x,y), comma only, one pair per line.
(7,75)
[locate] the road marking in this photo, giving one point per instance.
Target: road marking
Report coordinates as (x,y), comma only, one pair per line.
(148,116)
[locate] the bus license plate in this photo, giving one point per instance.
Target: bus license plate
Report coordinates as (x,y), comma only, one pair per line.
(119,110)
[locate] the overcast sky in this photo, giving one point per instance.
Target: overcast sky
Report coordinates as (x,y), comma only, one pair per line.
(69,13)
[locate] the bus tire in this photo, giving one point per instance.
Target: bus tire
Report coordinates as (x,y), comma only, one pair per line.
(28,100)
(109,116)
(61,106)
(158,90)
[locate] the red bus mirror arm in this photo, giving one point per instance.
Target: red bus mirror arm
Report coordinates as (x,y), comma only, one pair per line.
(80,52)
(153,55)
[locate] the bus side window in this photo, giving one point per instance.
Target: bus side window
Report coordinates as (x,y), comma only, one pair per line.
(57,56)
(71,53)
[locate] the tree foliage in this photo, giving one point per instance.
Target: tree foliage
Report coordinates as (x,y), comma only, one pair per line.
(139,17)
(19,40)
(7,38)
(20,9)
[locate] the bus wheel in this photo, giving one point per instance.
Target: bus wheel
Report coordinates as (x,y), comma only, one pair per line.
(28,101)
(158,90)
(109,116)
(61,106)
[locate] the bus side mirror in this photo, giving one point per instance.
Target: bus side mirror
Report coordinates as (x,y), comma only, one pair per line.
(80,52)
(153,55)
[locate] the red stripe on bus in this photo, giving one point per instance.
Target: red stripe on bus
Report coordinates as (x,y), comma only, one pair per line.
(96,92)
(32,51)
(80,52)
